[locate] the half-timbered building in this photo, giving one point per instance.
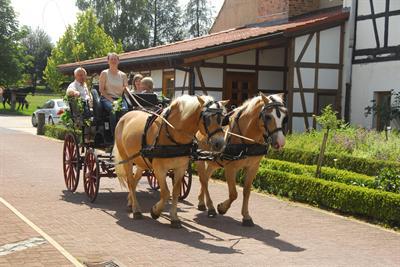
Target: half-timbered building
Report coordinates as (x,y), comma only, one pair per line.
(317,52)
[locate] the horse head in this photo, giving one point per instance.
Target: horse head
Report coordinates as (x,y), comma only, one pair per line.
(200,113)
(274,117)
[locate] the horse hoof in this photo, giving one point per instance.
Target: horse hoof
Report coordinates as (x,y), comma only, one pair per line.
(201,207)
(247,222)
(220,210)
(137,215)
(153,215)
(176,224)
(212,213)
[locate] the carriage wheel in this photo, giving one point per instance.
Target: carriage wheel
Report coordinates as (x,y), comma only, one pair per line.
(71,164)
(91,175)
(152,180)
(186,183)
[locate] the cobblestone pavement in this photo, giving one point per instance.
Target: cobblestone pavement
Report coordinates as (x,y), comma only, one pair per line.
(286,233)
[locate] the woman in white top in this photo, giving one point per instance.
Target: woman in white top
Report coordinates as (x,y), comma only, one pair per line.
(112,84)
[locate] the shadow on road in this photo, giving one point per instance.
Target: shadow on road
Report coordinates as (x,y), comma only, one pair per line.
(113,204)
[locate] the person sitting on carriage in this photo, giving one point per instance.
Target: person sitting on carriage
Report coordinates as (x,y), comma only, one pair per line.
(135,82)
(146,85)
(78,88)
(112,85)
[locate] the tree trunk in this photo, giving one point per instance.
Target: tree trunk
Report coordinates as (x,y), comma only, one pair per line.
(155,24)
(322,153)
(198,18)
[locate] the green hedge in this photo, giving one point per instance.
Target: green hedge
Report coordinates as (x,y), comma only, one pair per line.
(360,165)
(369,203)
(327,173)
(373,204)
(56,131)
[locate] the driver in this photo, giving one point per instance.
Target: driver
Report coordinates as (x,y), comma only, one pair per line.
(112,84)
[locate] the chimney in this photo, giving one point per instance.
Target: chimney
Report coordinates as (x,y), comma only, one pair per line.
(270,10)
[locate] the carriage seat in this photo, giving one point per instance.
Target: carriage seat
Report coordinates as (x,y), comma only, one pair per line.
(98,110)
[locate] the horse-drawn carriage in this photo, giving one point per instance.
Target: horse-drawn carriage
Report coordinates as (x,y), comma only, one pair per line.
(85,147)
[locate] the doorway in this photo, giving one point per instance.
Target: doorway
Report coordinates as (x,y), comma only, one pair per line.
(383,100)
(168,87)
(240,86)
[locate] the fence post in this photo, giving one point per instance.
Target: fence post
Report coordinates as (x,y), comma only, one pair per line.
(41,121)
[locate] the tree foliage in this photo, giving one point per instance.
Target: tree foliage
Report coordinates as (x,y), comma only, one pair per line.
(12,56)
(126,21)
(84,40)
(198,18)
(166,22)
(38,48)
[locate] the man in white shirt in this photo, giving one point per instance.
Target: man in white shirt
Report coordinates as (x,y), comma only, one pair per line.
(78,88)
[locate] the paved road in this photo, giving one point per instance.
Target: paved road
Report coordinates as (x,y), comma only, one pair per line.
(286,234)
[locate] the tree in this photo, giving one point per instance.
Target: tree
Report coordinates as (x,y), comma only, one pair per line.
(198,18)
(124,20)
(38,48)
(84,40)
(11,52)
(165,21)
(329,121)
(387,112)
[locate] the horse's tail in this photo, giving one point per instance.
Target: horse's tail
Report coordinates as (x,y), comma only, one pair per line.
(119,167)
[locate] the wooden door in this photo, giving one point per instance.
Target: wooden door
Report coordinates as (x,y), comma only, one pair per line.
(239,87)
(383,101)
(168,87)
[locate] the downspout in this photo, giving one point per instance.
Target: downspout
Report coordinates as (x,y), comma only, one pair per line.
(348,60)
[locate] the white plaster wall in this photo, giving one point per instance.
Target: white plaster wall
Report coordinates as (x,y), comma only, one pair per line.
(179,93)
(212,77)
(329,49)
(180,77)
(246,58)
(157,76)
(272,57)
(364,7)
(394,30)
(240,70)
(309,99)
(328,79)
(365,37)
(216,60)
(307,77)
(215,94)
(309,55)
(368,78)
(394,5)
(298,124)
(272,80)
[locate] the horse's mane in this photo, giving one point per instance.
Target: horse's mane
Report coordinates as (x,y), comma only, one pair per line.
(189,104)
(250,104)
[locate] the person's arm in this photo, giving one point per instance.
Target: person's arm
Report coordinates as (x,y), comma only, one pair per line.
(72,92)
(102,85)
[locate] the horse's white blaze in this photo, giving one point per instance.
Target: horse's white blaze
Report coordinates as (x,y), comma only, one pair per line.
(280,137)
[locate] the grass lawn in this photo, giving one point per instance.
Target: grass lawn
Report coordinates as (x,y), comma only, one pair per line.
(34,102)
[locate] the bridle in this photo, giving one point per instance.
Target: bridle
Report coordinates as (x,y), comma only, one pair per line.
(205,116)
(264,115)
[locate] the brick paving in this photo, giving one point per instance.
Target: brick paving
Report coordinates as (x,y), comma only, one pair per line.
(286,233)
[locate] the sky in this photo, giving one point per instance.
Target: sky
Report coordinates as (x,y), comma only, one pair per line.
(54,15)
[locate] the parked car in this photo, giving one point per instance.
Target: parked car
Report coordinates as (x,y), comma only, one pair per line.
(52,109)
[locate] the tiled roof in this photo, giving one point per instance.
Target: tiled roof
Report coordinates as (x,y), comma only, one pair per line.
(220,38)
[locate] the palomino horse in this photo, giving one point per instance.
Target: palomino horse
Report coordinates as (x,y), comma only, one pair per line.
(258,119)
(187,115)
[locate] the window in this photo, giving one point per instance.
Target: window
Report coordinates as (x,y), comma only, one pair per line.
(168,89)
(325,100)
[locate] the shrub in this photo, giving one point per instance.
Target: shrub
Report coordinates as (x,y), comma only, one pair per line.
(327,173)
(388,180)
(56,131)
(369,203)
(360,165)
